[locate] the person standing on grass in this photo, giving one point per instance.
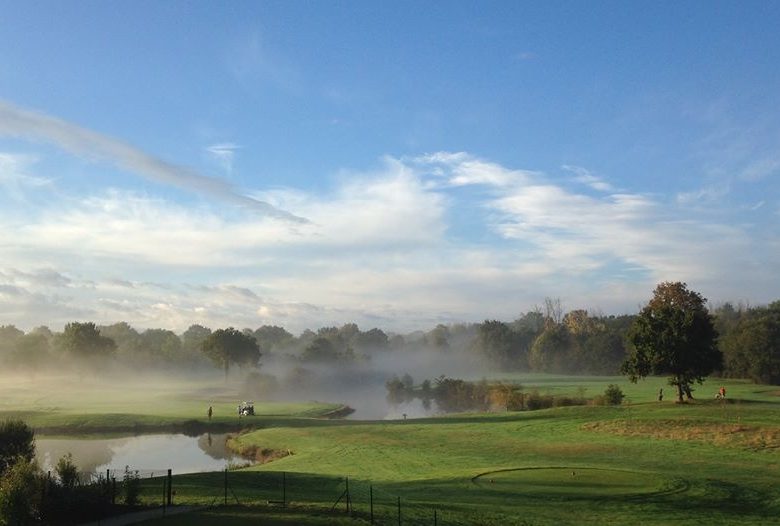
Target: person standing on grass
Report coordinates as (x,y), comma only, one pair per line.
(661,394)
(210,411)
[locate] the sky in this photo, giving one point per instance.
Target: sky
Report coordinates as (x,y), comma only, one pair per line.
(393,164)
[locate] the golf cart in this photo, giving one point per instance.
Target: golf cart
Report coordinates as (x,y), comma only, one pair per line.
(246,409)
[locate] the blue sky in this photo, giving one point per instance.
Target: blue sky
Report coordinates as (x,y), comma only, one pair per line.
(396,164)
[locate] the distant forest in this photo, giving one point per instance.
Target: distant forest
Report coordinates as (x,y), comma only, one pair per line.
(546,339)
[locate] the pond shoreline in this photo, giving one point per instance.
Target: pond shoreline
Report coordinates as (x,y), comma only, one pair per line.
(190,428)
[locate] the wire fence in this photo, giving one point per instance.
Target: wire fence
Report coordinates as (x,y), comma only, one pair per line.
(361,500)
(117,491)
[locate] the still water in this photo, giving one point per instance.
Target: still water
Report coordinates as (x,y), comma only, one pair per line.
(147,453)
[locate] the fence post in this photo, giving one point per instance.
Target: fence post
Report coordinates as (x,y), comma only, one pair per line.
(347,499)
(371,504)
(113,490)
(170,480)
(284,489)
(435,519)
(163,495)
(399,511)
(225,486)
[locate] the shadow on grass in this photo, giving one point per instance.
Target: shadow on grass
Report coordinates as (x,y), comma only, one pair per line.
(243,515)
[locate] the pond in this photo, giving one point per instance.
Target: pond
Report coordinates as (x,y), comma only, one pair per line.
(146,453)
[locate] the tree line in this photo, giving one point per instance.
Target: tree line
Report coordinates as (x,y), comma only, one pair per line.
(546,339)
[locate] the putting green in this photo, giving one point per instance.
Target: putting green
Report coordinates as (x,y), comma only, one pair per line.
(577,482)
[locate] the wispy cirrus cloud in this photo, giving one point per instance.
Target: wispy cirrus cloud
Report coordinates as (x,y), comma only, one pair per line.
(760,169)
(35,126)
(462,169)
(223,153)
(708,194)
(15,174)
(250,59)
(586,177)
(524,56)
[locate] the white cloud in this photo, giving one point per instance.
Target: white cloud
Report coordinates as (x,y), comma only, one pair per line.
(462,169)
(584,176)
(708,194)
(15,179)
(22,123)
(381,248)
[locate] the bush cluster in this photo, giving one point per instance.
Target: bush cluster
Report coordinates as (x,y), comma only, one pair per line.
(29,497)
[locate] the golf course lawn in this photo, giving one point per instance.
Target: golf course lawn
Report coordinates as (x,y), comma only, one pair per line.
(57,405)
(645,462)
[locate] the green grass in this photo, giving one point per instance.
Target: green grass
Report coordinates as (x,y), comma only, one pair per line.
(240,516)
(68,405)
(628,469)
(645,462)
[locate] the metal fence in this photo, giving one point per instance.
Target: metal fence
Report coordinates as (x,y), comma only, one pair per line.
(350,499)
(360,500)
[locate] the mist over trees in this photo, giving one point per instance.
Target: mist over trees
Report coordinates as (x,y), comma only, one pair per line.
(546,339)
(229,346)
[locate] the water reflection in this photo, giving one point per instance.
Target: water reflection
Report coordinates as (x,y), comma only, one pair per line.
(178,452)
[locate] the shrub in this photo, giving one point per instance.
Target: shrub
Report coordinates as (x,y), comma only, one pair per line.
(20,493)
(66,471)
(566,401)
(516,401)
(131,486)
(535,401)
(17,439)
(613,395)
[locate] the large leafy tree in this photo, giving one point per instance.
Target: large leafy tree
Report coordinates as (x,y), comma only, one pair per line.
(272,337)
(552,350)
(321,350)
(9,335)
(83,340)
(226,346)
(192,339)
(496,341)
(32,351)
(162,344)
(127,339)
(674,335)
(371,339)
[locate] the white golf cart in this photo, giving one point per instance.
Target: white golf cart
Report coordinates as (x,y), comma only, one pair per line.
(246,409)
